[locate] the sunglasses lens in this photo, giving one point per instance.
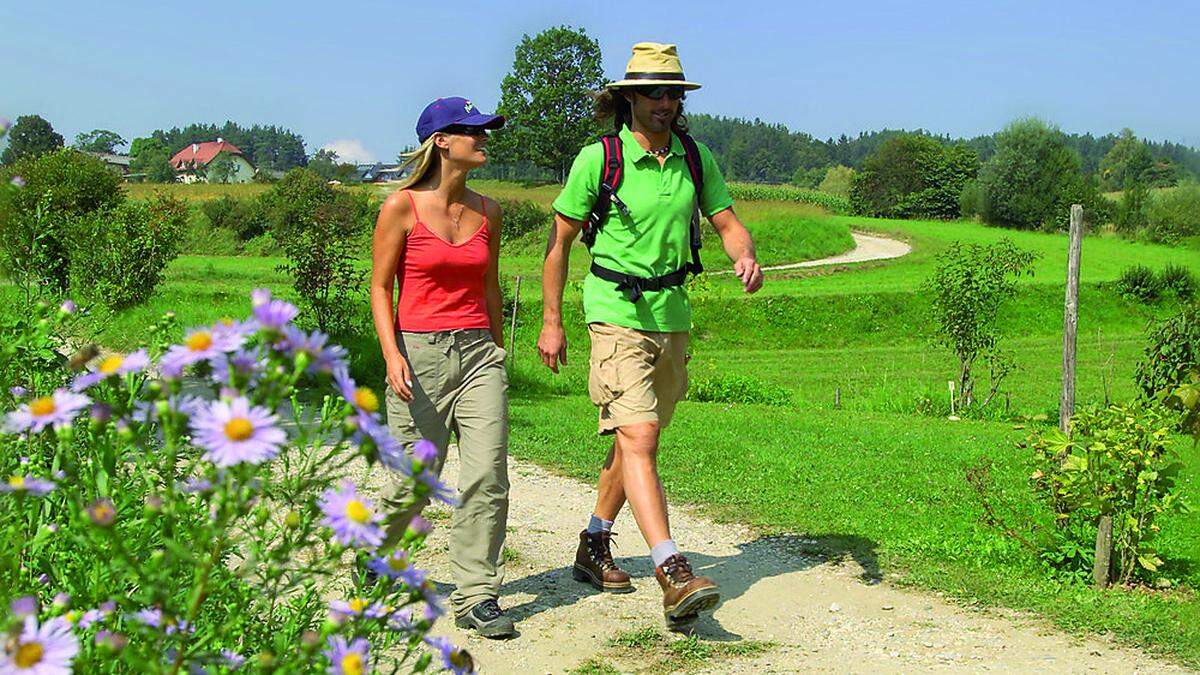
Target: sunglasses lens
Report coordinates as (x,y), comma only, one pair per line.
(673,93)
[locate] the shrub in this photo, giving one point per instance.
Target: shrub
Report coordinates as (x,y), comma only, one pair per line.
(142,538)
(292,201)
(521,217)
(1172,353)
(913,176)
(34,220)
(1139,283)
(1033,179)
(247,218)
(321,259)
(118,255)
(1118,462)
(737,389)
(970,200)
(967,288)
(808,178)
(837,181)
(1179,280)
(1174,214)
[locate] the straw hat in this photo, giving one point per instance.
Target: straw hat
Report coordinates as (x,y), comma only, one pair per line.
(654,64)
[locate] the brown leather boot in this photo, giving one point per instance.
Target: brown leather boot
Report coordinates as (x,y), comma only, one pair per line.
(685,595)
(594,564)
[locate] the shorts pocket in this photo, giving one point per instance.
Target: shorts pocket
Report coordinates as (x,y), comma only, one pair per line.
(602,371)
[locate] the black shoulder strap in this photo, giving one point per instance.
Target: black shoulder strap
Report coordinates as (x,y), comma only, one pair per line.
(610,180)
(691,154)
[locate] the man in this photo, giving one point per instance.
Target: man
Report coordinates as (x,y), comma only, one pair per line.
(644,240)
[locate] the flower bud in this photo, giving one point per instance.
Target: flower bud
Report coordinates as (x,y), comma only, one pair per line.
(292,520)
(310,638)
(154,503)
(102,513)
(67,307)
(261,516)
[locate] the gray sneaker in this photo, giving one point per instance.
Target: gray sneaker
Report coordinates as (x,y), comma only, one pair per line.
(488,620)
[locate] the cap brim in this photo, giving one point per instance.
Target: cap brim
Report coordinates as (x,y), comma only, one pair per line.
(481,120)
(654,83)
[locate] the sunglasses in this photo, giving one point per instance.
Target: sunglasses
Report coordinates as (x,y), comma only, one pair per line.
(672,92)
(462,130)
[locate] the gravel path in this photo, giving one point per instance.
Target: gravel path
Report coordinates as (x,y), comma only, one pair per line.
(788,607)
(867,247)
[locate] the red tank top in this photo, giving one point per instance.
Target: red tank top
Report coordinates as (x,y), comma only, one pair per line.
(442,284)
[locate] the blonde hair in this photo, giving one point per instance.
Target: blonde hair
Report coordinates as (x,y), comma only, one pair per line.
(423,160)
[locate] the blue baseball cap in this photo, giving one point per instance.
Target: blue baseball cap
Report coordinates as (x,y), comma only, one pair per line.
(453,110)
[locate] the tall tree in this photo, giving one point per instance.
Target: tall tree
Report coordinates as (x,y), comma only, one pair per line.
(150,156)
(30,136)
(546,99)
(1125,163)
(324,163)
(99,140)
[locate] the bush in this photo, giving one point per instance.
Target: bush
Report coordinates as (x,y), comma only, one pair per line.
(737,389)
(521,217)
(1179,280)
(292,201)
(913,176)
(247,218)
(1174,214)
(808,178)
(34,220)
(1139,283)
(118,255)
(1033,179)
(970,200)
(837,181)
(321,260)
(1118,462)
(1172,353)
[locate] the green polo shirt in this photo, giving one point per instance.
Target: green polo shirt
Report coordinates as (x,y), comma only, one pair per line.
(652,240)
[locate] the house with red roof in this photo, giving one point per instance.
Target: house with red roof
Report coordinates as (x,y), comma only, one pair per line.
(216,161)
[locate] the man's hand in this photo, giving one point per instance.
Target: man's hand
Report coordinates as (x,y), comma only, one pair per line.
(750,273)
(552,345)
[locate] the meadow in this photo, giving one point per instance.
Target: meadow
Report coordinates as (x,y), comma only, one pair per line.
(881,476)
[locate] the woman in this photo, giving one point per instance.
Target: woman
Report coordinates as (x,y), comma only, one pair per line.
(440,243)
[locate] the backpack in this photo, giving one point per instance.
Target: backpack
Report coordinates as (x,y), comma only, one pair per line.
(610,181)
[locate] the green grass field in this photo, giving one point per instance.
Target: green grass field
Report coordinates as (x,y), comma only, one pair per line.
(882,477)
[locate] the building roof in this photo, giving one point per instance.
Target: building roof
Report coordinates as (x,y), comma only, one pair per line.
(200,154)
(122,160)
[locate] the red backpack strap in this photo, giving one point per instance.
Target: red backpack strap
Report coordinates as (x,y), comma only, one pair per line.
(611,173)
(691,155)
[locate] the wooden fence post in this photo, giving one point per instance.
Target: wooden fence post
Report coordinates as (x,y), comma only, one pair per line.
(512,331)
(1066,403)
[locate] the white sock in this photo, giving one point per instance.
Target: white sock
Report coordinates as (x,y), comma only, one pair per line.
(598,524)
(663,550)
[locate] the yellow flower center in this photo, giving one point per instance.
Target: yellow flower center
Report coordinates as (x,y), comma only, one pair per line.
(366,399)
(42,406)
(358,604)
(72,617)
(16,482)
(352,664)
(238,429)
(357,511)
(29,655)
(198,342)
(398,563)
(226,321)
(109,365)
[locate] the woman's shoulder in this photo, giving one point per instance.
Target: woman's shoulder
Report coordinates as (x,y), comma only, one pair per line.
(398,207)
(491,207)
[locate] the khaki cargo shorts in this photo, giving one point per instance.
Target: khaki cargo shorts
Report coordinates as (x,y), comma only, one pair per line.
(636,376)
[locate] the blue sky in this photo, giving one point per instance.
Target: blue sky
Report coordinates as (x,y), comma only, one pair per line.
(358,73)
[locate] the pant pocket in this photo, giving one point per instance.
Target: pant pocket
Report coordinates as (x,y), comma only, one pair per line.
(602,371)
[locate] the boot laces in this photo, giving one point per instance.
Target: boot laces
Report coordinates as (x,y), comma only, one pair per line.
(599,546)
(678,569)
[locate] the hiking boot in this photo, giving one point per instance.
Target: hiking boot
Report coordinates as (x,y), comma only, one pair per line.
(685,595)
(488,620)
(594,564)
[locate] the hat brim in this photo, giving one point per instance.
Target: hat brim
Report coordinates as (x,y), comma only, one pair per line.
(481,120)
(625,84)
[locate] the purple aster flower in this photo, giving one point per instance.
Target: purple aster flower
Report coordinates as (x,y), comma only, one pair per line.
(102,513)
(322,358)
(454,659)
(62,600)
(353,520)
(424,451)
(355,607)
(232,659)
(348,659)
(17,391)
(181,626)
(235,432)
(24,606)
(433,602)
(5,125)
(402,620)
(150,616)
(113,366)
(244,363)
(196,484)
(271,314)
(18,181)
(110,640)
(390,565)
(57,410)
(419,525)
(100,413)
(183,404)
(92,616)
(200,344)
(436,488)
(241,329)
(68,307)
(363,399)
(389,450)
(27,485)
(47,649)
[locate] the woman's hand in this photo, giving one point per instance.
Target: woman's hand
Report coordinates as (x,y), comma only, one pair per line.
(399,377)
